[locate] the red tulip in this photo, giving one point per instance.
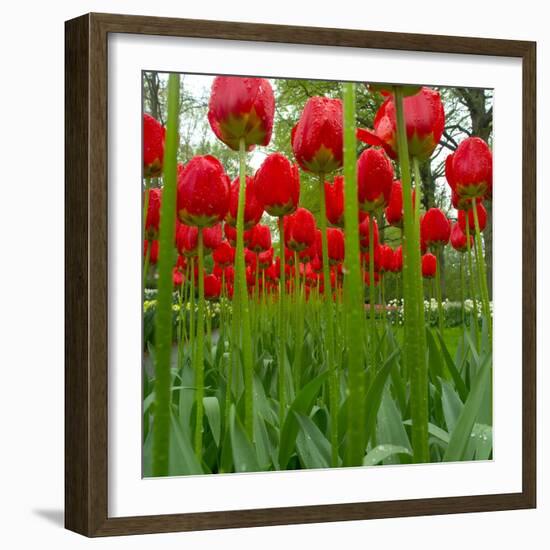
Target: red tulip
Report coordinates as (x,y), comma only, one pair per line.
(231,235)
(374,179)
(429,266)
(203,192)
(308,254)
(481,217)
(334,198)
(241,108)
(152,218)
(317,139)
(458,238)
(212,287)
(317,263)
(277,185)
(224,254)
(260,238)
(469,170)
(394,210)
(397,264)
(181,263)
(271,273)
(177,277)
(299,230)
(212,237)
(386,257)
(364,234)
(265,259)
(249,257)
(253,208)
(424,121)
(153,146)
(435,227)
(336,248)
(153,252)
(229,272)
(187,239)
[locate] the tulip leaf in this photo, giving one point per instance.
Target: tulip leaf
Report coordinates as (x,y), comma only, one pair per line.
(383,452)
(302,404)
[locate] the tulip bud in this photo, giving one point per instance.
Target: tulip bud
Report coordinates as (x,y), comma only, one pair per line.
(152,218)
(424,121)
(260,238)
(394,210)
(299,230)
(435,227)
(458,239)
(469,170)
(153,146)
(317,139)
(212,287)
(429,266)
(253,208)
(241,108)
(374,179)
(203,192)
(277,185)
(224,254)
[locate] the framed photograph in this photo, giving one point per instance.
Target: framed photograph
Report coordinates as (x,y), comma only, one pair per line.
(295,286)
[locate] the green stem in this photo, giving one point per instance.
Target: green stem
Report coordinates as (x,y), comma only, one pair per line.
(298,335)
(471,280)
(199,355)
(181,320)
(480,256)
(372,297)
(240,282)
(354,300)
(281,324)
(329,320)
(440,318)
(163,324)
(192,331)
(415,341)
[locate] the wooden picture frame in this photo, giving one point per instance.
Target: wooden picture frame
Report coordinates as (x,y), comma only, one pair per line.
(86,280)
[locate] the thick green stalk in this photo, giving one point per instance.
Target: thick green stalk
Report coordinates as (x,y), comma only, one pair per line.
(482,274)
(415,340)
(354,300)
(240,280)
(163,324)
(372,297)
(199,355)
(329,320)
(281,324)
